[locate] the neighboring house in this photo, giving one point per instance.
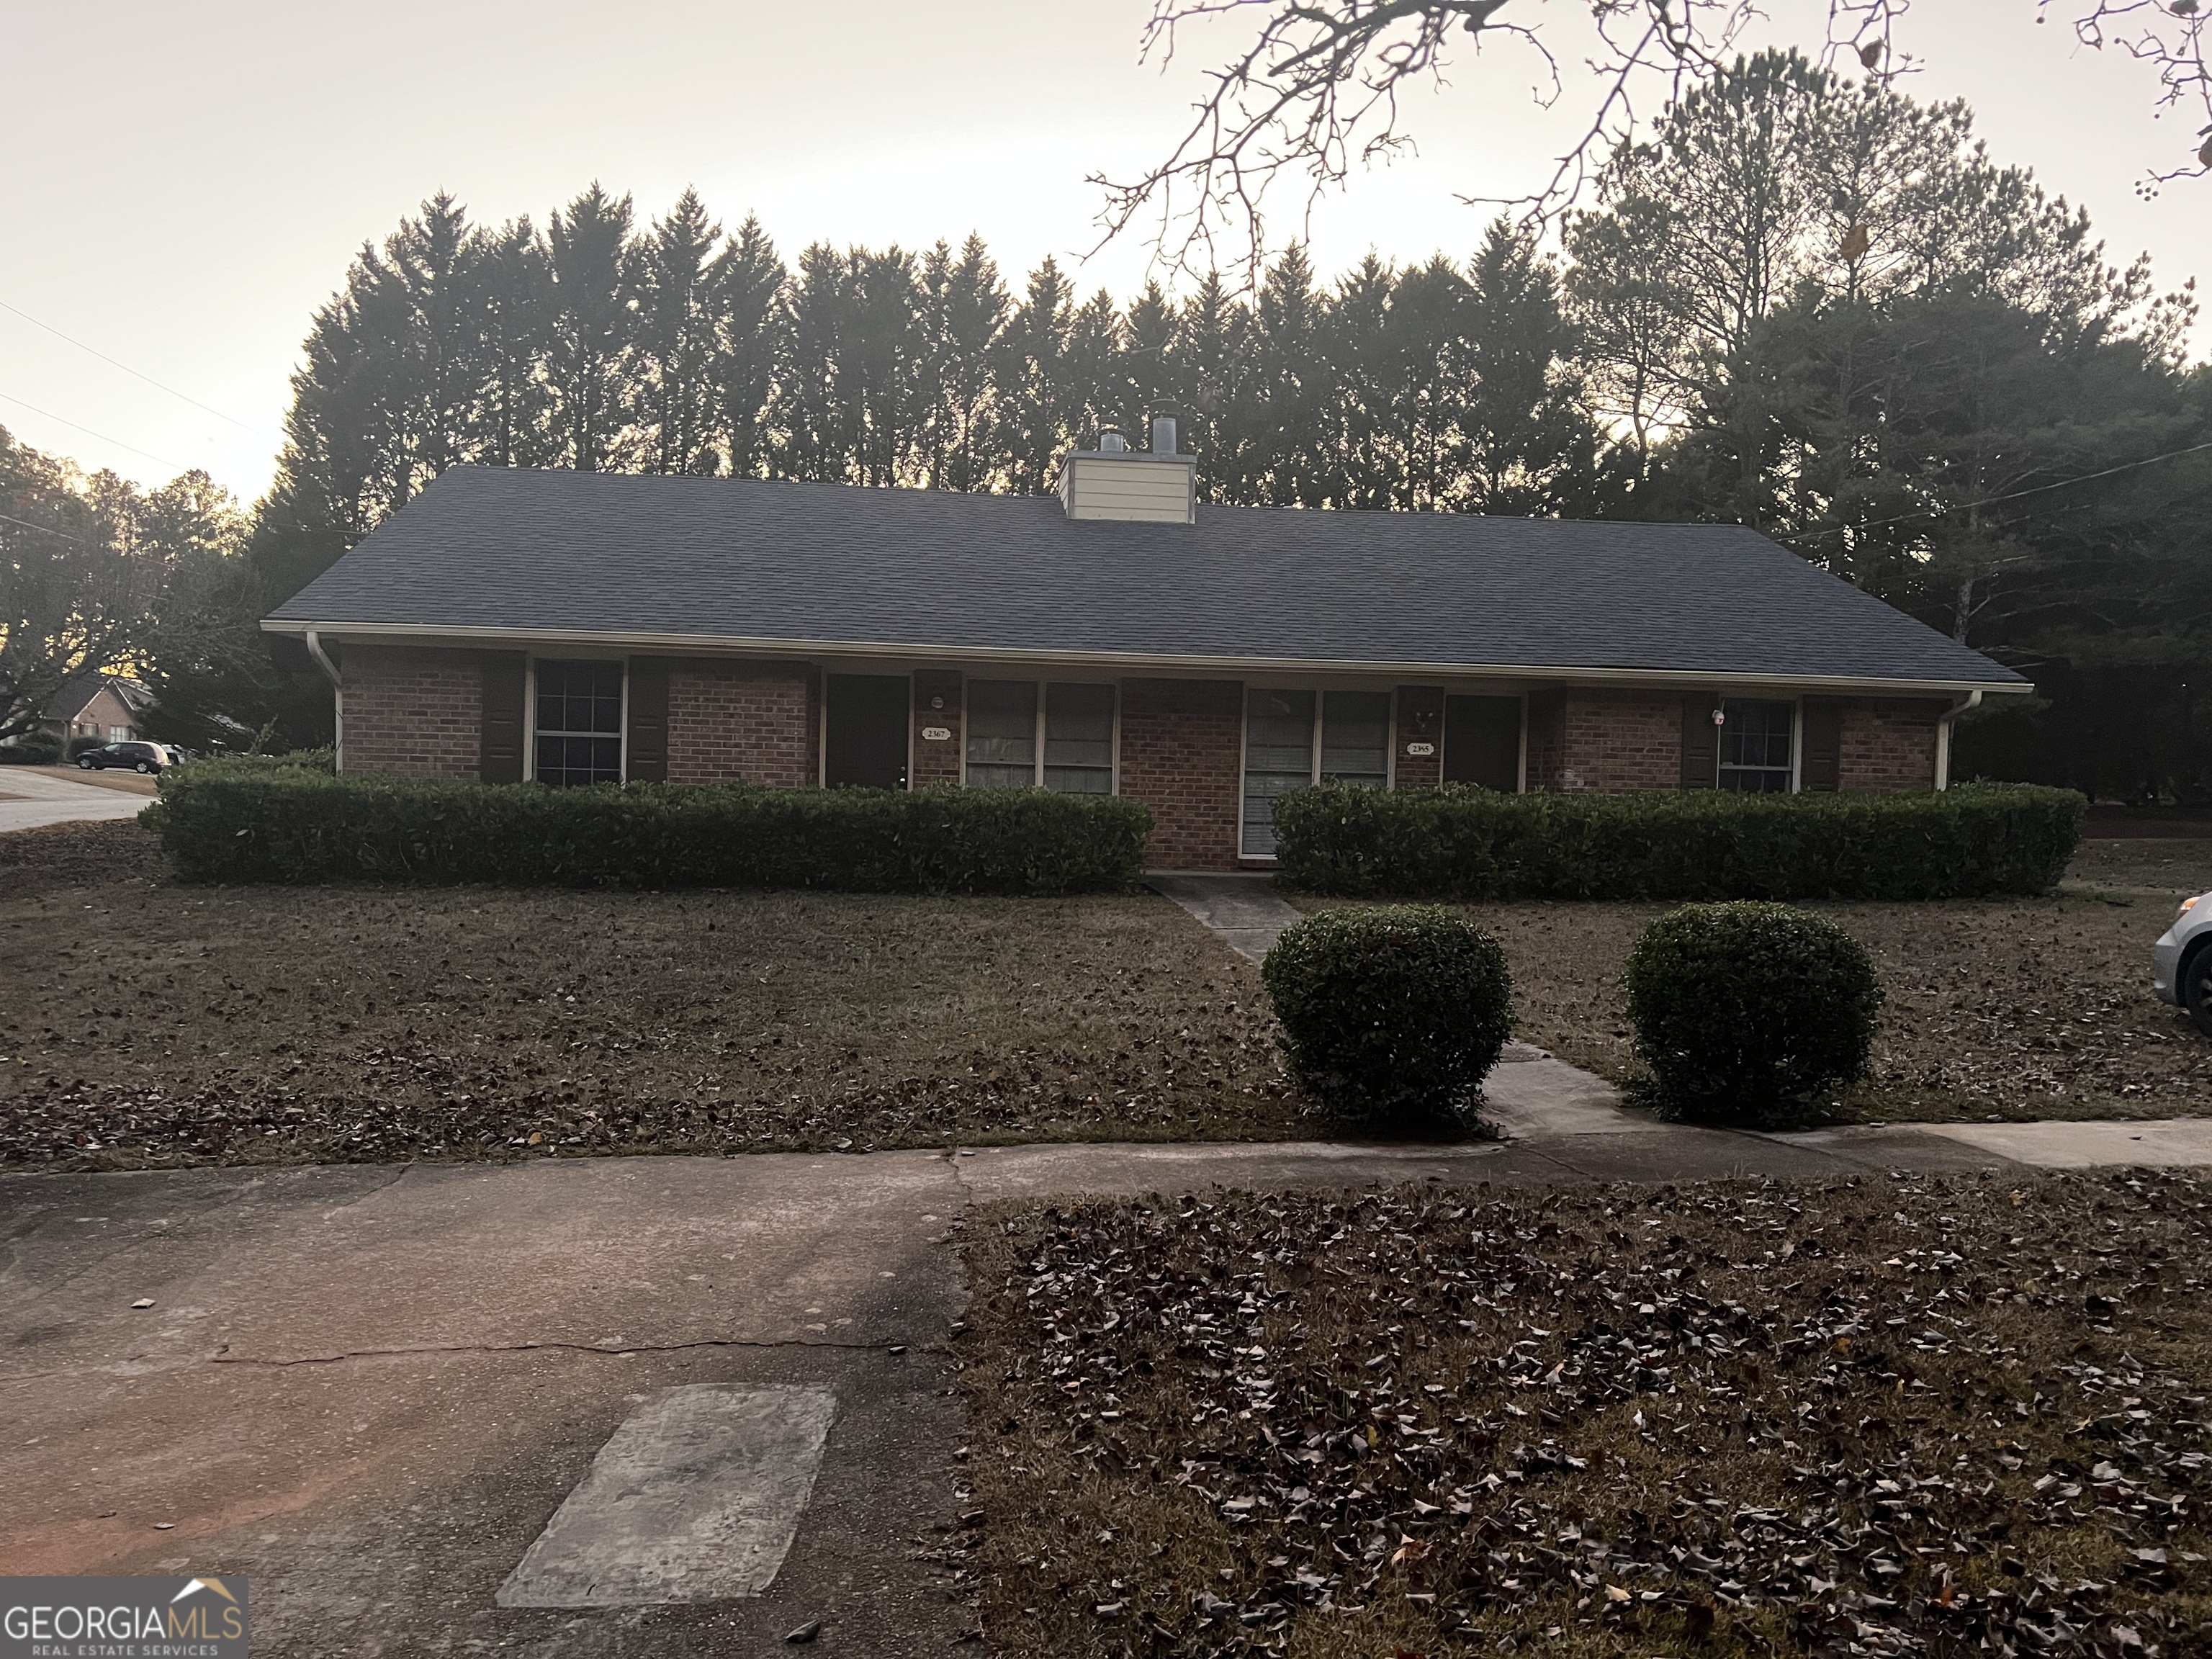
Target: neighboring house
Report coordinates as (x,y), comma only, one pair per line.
(576,627)
(108,708)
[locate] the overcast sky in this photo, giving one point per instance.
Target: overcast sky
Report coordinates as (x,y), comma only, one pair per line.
(186,181)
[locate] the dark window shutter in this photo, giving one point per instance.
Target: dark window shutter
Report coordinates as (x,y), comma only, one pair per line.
(500,740)
(1700,743)
(648,720)
(1822,766)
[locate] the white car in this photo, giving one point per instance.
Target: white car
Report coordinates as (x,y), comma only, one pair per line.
(2181,961)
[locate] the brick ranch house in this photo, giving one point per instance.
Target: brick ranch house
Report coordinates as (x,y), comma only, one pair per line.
(577,628)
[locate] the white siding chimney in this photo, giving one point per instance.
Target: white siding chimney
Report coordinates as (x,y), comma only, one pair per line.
(1116,482)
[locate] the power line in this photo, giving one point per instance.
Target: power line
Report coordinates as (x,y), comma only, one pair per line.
(2038,489)
(89,432)
(125,368)
(47,528)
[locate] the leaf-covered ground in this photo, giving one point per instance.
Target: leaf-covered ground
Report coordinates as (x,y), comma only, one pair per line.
(142,1021)
(1934,1416)
(2014,1008)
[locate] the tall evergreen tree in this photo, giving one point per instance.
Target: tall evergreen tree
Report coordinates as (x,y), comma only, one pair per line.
(1210,361)
(965,310)
(1529,447)
(753,320)
(1035,397)
(594,328)
(1148,332)
(672,390)
(1295,398)
(512,302)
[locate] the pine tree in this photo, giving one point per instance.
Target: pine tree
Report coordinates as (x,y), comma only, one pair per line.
(1034,394)
(752,321)
(1095,373)
(1296,394)
(513,303)
(1529,449)
(594,327)
(1427,379)
(1148,333)
(966,308)
(1362,465)
(1210,359)
(672,390)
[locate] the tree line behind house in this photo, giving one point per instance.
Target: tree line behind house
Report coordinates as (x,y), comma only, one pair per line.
(1814,306)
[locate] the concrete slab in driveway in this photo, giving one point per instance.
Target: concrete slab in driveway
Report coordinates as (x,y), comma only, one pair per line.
(370,1389)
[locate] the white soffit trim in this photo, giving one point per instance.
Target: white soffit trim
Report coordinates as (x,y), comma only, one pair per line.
(728,645)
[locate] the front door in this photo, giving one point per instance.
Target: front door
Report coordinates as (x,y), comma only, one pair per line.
(1482,742)
(867,739)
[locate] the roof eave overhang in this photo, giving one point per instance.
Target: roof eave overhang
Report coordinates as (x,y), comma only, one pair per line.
(731,645)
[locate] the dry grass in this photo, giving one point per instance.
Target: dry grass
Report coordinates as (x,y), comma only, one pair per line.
(2019,1008)
(149,1022)
(1937,1415)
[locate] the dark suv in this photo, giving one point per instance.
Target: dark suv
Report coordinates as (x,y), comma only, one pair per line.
(134,757)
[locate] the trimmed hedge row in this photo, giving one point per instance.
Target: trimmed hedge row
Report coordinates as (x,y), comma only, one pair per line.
(227,821)
(1459,842)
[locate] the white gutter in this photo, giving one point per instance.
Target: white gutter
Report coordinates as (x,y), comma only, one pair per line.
(338,695)
(1972,700)
(730,645)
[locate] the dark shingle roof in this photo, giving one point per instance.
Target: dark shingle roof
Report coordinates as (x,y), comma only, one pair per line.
(77,694)
(492,550)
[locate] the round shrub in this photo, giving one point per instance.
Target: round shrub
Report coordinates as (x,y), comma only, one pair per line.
(1747,1013)
(1392,1016)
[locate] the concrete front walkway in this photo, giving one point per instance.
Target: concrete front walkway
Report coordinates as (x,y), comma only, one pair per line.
(1532,1097)
(1244,908)
(33,797)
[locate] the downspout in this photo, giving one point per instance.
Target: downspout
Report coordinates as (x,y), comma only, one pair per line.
(1972,700)
(338,697)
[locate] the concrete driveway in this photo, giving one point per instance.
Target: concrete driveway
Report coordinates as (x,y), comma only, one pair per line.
(32,797)
(369,1389)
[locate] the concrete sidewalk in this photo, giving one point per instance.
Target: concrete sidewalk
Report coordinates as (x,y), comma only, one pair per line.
(33,797)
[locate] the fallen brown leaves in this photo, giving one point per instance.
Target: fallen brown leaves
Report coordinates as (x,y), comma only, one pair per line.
(1947,1415)
(152,1024)
(2019,1008)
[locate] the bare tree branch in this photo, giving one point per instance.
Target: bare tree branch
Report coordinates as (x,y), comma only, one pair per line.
(2170,36)
(1316,91)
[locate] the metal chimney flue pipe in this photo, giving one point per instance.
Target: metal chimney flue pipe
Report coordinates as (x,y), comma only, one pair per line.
(1163,434)
(1111,442)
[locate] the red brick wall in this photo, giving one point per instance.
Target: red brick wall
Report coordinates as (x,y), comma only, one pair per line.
(411,714)
(1420,720)
(937,761)
(741,722)
(1889,742)
(1183,748)
(1619,741)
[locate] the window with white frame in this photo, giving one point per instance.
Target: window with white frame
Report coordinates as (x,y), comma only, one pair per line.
(1079,739)
(578,723)
(1296,739)
(1062,740)
(1756,746)
(1002,722)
